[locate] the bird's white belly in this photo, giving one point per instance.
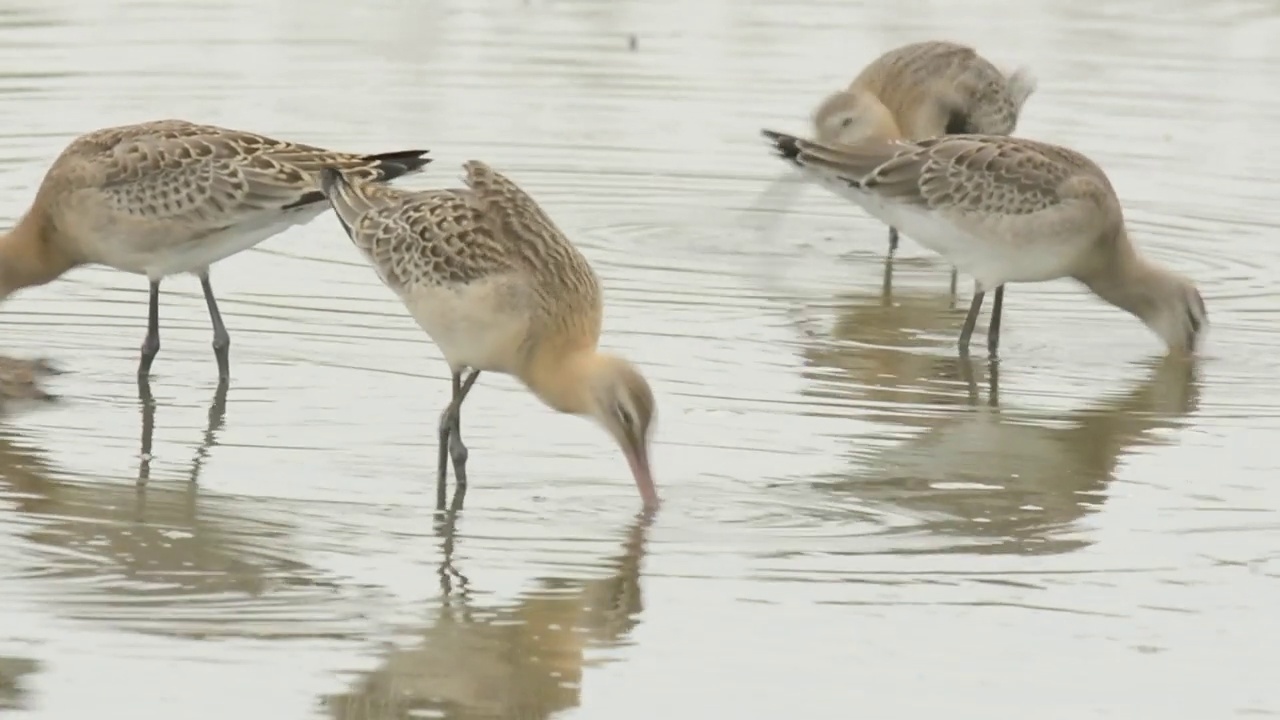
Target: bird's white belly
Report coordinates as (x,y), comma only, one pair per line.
(158,257)
(993,250)
(872,203)
(481,325)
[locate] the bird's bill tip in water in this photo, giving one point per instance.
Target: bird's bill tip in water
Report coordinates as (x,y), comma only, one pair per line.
(638,458)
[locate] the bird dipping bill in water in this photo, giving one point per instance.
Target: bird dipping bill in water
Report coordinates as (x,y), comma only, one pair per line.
(1006,209)
(923,90)
(168,197)
(497,286)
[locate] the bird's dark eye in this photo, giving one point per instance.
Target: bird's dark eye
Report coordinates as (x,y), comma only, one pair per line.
(846,122)
(624,417)
(1196,312)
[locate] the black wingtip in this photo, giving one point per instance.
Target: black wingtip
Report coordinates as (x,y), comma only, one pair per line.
(45,366)
(399,163)
(787,146)
(388,166)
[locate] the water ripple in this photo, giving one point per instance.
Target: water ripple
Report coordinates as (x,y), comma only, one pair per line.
(831,469)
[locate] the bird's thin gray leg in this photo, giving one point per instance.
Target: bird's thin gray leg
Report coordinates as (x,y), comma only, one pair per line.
(886,282)
(442,466)
(151,343)
(971,320)
(893,240)
(148,403)
(221,340)
(993,331)
(954,280)
(451,445)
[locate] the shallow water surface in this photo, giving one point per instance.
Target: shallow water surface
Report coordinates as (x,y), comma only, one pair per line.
(856,521)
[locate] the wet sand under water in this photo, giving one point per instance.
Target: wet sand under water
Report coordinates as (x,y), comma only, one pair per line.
(1085,530)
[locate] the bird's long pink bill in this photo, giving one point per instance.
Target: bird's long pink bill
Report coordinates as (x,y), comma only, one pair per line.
(639,461)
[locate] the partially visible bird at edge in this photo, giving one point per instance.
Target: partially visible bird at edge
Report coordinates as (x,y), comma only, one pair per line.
(170,196)
(923,90)
(23,379)
(498,288)
(1006,209)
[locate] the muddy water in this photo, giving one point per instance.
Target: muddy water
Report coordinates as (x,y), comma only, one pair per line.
(856,522)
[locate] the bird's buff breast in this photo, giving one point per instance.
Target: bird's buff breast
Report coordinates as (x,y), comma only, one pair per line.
(480,325)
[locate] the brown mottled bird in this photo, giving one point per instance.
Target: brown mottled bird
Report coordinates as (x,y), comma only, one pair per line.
(499,288)
(22,379)
(1006,209)
(923,90)
(168,197)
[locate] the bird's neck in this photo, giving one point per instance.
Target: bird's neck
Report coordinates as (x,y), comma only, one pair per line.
(1129,281)
(880,123)
(560,375)
(30,255)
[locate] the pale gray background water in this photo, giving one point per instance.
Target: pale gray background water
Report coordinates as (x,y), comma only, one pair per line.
(845,532)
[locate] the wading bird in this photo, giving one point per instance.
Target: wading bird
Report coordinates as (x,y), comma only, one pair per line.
(1006,209)
(920,91)
(169,197)
(497,286)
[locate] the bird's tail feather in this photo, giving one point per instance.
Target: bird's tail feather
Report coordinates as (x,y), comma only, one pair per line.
(348,200)
(391,165)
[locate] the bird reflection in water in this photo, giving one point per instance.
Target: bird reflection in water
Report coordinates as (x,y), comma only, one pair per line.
(889,355)
(886,288)
(152,555)
(217,418)
(524,660)
(973,476)
(14,671)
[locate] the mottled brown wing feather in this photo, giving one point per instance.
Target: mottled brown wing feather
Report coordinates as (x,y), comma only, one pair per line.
(875,163)
(511,208)
(979,174)
(209,177)
(198,181)
(966,173)
(531,235)
(959,87)
(426,238)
